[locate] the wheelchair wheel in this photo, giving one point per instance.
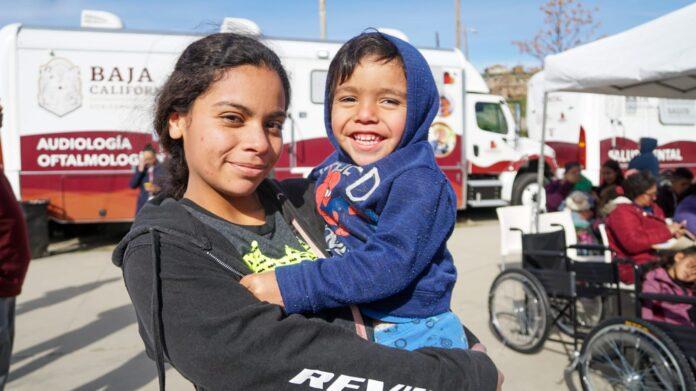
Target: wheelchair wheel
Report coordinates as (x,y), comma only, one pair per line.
(518,310)
(632,354)
(590,313)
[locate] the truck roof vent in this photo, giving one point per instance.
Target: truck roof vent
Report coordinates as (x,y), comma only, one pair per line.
(240,26)
(100,20)
(394,32)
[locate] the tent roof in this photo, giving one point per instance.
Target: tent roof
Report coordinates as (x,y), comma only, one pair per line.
(656,59)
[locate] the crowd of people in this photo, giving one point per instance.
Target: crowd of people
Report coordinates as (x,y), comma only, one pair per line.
(650,220)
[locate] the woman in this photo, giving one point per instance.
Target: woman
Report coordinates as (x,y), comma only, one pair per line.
(557,190)
(634,228)
(610,175)
(219,116)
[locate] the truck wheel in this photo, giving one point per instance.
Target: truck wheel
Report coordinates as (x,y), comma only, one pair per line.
(525,189)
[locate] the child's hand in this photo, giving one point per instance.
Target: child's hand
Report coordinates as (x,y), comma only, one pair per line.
(264,286)
(479,348)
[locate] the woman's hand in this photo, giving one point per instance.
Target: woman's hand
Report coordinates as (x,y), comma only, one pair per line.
(264,286)
(676,229)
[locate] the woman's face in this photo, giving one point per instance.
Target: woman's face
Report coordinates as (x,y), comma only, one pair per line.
(608,175)
(573,175)
(232,133)
(648,197)
(685,267)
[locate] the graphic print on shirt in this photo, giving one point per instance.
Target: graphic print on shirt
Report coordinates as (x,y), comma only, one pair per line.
(258,262)
(340,186)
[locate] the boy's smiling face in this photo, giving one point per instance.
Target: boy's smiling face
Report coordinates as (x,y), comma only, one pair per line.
(368,112)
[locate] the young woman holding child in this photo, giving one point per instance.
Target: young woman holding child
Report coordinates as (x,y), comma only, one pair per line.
(219,116)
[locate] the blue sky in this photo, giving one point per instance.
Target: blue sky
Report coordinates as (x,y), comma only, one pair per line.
(497,22)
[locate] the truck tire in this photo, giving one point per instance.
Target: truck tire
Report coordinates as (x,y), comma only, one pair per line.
(524,188)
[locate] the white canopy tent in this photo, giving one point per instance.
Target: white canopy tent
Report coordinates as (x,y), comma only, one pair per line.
(655,59)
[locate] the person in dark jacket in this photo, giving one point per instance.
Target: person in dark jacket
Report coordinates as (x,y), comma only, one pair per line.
(146,176)
(14,262)
(672,193)
(634,228)
(646,159)
(225,104)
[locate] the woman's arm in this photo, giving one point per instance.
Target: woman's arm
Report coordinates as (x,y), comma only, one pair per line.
(217,335)
(416,221)
(137,178)
(636,233)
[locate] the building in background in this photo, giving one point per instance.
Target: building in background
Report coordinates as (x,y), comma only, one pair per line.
(511,84)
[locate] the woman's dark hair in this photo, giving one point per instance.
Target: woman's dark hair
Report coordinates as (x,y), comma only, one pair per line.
(149,148)
(200,65)
(571,165)
(683,173)
(614,166)
(353,51)
(637,184)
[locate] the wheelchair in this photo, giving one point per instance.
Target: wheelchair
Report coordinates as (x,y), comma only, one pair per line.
(550,290)
(630,353)
(612,350)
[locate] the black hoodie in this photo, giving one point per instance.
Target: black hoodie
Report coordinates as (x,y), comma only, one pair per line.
(182,277)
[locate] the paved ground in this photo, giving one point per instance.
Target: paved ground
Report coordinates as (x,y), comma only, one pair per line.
(77,330)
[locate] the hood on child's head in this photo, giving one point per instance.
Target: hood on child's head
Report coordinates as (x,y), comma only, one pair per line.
(422,98)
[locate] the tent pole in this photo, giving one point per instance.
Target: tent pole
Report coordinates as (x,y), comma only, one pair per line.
(540,166)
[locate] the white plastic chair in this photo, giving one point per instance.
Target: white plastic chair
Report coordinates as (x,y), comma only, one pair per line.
(564,219)
(560,220)
(509,217)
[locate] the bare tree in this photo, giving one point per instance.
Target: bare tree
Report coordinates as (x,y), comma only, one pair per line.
(567,23)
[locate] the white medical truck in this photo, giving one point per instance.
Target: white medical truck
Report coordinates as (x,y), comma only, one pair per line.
(78,108)
(592,128)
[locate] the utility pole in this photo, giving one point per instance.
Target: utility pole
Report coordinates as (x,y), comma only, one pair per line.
(322,19)
(458,23)
(465,33)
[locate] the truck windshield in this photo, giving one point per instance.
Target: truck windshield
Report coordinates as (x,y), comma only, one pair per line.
(490,117)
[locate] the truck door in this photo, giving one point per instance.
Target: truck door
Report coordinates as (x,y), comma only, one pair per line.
(491,146)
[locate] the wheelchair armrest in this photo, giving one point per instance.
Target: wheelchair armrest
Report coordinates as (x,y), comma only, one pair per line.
(668,298)
(546,253)
(595,247)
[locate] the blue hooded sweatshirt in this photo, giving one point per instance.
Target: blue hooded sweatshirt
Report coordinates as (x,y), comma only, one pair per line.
(394,217)
(646,161)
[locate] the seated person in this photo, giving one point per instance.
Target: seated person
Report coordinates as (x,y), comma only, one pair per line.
(675,276)
(634,228)
(609,197)
(610,175)
(686,213)
(670,194)
(580,208)
(558,189)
